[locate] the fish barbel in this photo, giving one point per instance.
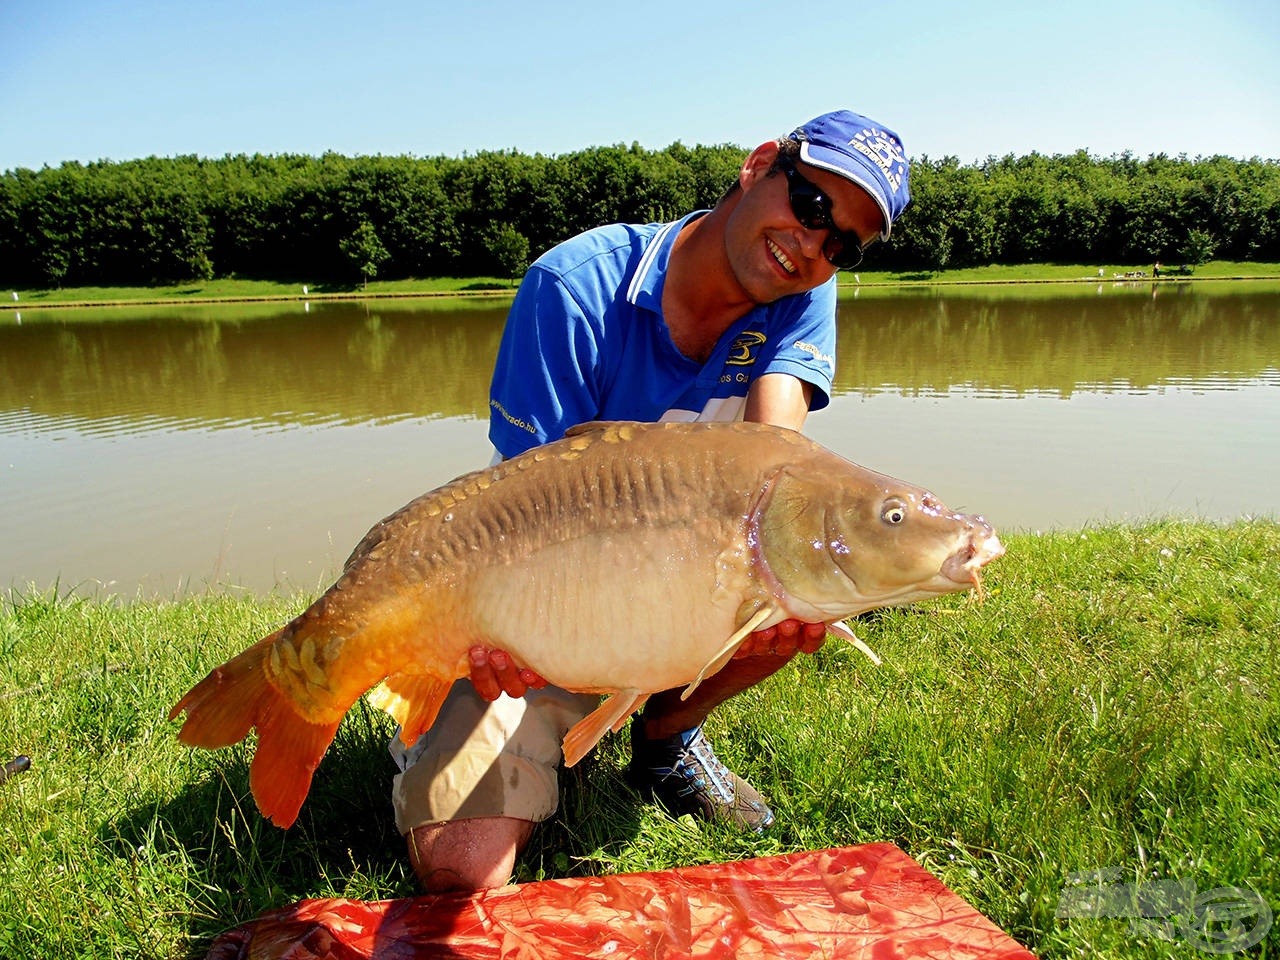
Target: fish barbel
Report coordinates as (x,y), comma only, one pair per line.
(624,559)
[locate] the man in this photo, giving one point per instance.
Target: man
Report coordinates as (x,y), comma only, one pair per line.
(724,314)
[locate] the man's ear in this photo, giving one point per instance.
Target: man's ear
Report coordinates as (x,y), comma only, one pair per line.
(757,163)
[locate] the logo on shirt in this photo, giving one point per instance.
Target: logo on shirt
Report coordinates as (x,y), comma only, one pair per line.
(817,354)
(514,421)
(744,349)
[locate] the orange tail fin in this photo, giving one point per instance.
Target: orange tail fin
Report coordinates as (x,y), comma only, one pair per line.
(236,697)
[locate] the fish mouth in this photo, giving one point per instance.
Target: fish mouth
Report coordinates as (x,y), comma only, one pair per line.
(965,565)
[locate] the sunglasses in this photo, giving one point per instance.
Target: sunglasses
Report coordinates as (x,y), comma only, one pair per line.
(842,248)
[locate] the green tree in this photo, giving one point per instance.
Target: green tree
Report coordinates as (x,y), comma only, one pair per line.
(1199,247)
(291,216)
(509,249)
(364,250)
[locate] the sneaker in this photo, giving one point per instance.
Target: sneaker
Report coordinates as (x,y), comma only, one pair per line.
(684,774)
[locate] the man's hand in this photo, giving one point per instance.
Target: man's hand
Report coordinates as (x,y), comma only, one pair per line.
(784,639)
(493,673)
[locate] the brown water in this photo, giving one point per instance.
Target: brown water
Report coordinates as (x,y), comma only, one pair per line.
(160,450)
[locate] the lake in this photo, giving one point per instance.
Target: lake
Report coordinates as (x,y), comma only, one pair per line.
(152,451)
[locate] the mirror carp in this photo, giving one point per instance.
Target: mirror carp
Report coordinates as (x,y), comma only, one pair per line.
(624,559)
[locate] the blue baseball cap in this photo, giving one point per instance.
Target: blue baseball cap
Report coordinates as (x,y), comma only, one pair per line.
(859,149)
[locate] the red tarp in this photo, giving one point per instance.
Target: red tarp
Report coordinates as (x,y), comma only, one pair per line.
(868,901)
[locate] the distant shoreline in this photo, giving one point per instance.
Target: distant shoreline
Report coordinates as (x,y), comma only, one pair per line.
(473,289)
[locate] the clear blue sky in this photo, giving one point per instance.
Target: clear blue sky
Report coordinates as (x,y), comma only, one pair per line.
(119,79)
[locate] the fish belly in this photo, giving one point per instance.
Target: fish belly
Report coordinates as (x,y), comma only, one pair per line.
(562,612)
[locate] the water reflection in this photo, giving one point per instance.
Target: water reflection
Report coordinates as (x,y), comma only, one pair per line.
(926,344)
(351,363)
(169,448)
(339,364)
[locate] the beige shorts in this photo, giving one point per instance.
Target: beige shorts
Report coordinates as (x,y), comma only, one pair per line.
(484,759)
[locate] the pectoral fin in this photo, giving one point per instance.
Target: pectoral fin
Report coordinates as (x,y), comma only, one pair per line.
(840,630)
(725,652)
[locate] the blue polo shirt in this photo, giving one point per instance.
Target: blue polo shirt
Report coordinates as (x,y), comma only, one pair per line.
(585,340)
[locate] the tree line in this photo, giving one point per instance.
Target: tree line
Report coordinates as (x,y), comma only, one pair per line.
(337,219)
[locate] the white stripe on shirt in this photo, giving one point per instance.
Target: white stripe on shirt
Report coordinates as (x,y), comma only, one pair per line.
(646,261)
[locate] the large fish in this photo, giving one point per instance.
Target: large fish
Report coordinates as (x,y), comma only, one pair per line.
(624,559)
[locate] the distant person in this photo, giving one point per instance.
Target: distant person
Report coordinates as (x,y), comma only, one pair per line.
(721,315)
(1156,270)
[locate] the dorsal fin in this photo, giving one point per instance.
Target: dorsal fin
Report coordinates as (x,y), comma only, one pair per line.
(591,426)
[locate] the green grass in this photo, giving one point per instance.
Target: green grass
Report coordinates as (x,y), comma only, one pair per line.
(1065,272)
(1114,702)
(233,289)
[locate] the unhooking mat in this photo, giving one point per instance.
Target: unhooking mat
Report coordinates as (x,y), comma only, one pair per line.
(868,901)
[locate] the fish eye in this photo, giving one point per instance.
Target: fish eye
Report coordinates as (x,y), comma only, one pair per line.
(893,512)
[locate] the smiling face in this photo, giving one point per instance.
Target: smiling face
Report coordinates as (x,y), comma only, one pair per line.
(770,253)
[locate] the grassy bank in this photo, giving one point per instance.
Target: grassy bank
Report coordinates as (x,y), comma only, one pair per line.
(1114,703)
(232,290)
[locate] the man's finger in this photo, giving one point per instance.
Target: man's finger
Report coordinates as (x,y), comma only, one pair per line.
(534,681)
(508,674)
(482,675)
(813,637)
